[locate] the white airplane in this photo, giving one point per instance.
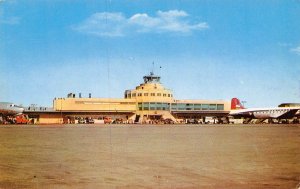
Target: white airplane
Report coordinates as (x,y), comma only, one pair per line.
(238,111)
(7,108)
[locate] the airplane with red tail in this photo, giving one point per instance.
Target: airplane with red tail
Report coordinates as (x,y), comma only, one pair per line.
(261,114)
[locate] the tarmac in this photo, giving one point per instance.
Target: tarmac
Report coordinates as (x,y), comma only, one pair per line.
(150,156)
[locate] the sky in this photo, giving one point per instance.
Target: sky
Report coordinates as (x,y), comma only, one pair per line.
(202,49)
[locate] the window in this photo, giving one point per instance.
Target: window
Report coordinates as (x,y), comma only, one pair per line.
(133,94)
(197,106)
(212,107)
(158,106)
(174,106)
(181,106)
(204,106)
(152,105)
(164,95)
(146,105)
(220,106)
(165,106)
(152,94)
(139,94)
(158,94)
(169,95)
(145,94)
(140,106)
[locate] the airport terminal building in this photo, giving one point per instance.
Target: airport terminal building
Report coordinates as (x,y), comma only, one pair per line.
(148,102)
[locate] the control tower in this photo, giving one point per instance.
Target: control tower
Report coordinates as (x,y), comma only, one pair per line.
(152,98)
(151,91)
(151,78)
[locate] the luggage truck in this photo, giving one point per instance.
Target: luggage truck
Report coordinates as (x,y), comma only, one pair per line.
(22,119)
(8,111)
(17,119)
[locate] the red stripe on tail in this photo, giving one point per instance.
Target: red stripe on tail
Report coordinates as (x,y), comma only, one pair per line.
(236,104)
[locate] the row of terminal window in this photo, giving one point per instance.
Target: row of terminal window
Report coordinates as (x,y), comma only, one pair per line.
(178,106)
(147,94)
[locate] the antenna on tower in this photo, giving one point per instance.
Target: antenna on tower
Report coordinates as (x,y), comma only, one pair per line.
(152,72)
(160,70)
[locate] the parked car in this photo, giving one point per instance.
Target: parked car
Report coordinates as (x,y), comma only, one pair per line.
(89,121)
(168,121)
(81,121)
(192,121)
(107,120)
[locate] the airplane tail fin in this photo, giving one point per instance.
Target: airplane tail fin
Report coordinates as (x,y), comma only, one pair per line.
(236,104)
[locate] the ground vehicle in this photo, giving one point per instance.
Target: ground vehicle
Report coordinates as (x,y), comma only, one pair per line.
(89,120)
(21,119)
(118,121)
(81,121)
(168,121)
(107,120)
(192,121)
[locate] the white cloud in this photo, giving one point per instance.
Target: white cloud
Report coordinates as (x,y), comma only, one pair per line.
(103,24)
(296,50)
(143,20)
(116,24)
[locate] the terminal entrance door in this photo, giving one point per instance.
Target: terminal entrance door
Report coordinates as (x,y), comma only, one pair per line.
(137,118)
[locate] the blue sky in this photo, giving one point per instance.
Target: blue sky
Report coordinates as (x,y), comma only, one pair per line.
(206,49)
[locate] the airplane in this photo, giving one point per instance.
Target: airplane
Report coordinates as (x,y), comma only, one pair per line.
(261,114)
(8,108)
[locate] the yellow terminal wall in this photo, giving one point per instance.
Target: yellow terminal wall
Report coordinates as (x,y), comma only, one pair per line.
(50,119)
(94,104)
(150,92)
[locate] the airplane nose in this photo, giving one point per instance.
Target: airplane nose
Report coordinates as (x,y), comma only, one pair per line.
(20,110)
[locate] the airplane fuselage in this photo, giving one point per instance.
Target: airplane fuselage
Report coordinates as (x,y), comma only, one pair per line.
(265,113)
(7,108)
